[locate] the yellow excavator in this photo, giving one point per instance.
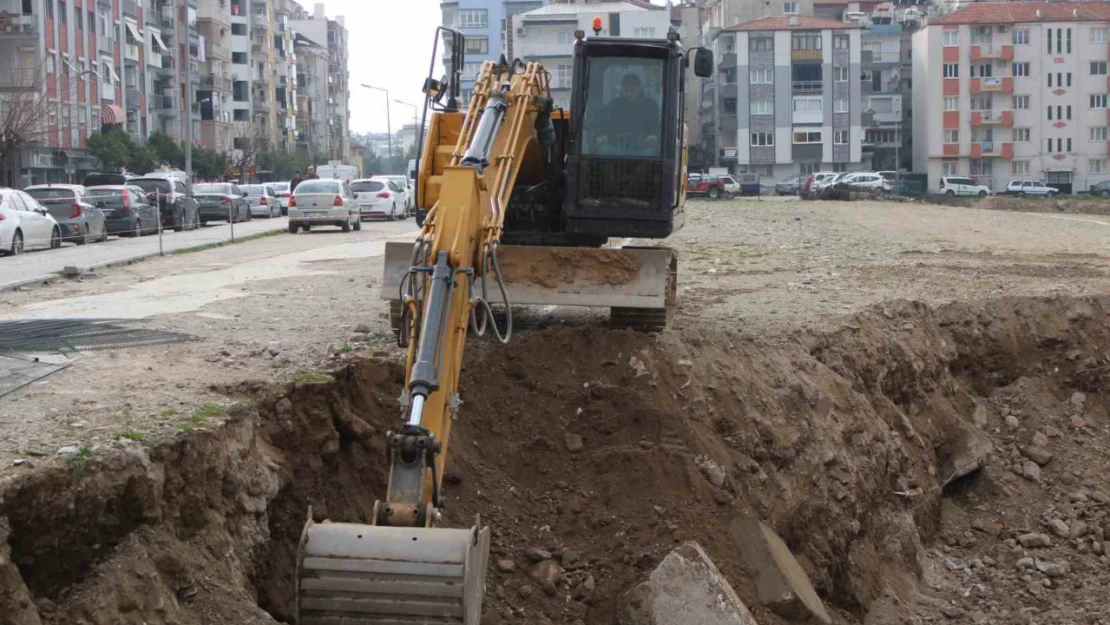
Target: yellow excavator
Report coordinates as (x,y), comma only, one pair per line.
(517,196)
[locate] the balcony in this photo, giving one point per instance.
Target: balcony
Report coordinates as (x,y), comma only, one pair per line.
(154,60)
(259,20)
(727,125)
(986,51)
(132,98)
(992,149)
(163,104)
(542,50)
(805,55)
(992,118)
(131,52)
(992,85)
(216,82)
(729,91)
(19,27)
(166,65)
(808,86)
(728,61)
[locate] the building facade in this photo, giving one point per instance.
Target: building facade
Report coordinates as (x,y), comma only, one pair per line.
(789,96)
(1022,92)
(332,35)
(480,22)
(885,87)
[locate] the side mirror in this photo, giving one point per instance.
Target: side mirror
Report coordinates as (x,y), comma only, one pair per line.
(703,62)
(356,195)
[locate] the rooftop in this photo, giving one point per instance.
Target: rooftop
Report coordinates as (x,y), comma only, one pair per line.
(783,22)
(1021,12)
(599,8)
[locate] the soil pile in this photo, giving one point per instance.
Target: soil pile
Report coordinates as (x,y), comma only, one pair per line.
(1072,205)
(592,453)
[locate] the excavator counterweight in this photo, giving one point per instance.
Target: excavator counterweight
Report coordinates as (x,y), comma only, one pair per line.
(553,186)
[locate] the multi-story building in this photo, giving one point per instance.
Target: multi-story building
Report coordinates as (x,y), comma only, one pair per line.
(213,80)
(333,34)
(312,95)
(285,75)
(727,13)
(789,96)
(547,34)
(886,66)
(480,23)
(1022,92)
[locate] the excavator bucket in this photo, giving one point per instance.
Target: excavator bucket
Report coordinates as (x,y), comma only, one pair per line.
(637,284)
(350,574)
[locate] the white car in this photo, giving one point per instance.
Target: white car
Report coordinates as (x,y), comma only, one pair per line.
(323,202)
(282,190)
(867,181)
(1030,187)
(25,224)
(958,185)
(263,199)
(402,190)
(822,178)
(379,198)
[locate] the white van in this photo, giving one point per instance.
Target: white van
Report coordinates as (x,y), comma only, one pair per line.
(959,185)
(338,171)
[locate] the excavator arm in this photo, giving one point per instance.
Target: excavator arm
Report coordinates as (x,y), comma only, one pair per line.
(403,568)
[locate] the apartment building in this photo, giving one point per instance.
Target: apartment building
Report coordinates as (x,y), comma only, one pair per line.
(480,23)
(332,34)
(789,96)
(312,136)
(547,34)
(213,86)
(885,87)
(1022,89)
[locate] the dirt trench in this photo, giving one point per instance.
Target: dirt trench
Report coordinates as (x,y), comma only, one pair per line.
(607,449)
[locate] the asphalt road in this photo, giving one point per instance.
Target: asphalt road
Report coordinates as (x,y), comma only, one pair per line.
(15,269)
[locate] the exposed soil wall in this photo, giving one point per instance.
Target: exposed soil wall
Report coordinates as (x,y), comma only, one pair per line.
(605,449)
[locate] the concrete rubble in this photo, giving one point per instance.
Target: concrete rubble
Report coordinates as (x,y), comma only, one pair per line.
(781,584)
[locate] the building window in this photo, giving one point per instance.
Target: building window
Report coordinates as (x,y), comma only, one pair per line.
(951,38)
(951,103)
(807,105)
(951,135)
(1069,112)
(762,76)
(986,70)
(763,139)
(646,32)
(1098,133)
(807,169)
(1069,78)
(790,8)
(239,58)
(1049,113)
(473,18)
(1069,40)
(840,137)
(1098,100)
(1098,68)
(951,70)
(807,137)
(840,105)
(1021,102)
(880,136)
(479,45)
(1021,37)
(238,29)
(1049,39)
(1097,166)
(805,41)
(948,168)
(61,16)
(840,42)
(1021,135)
(1019,168)
(563,38)
(1069,144)
(470,70)
(1098,35)
(562,77)
(1021,70)
(762,107)
(760,44)
(840,74)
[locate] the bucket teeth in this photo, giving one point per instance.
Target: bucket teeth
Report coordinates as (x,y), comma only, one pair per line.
(352,574)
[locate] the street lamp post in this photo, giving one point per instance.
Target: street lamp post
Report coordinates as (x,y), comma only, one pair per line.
(388,124)
(415,123)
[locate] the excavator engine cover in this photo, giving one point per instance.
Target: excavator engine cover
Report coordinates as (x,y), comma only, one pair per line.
(351,574)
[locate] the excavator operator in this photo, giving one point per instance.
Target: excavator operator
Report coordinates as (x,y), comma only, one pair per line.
(629,124)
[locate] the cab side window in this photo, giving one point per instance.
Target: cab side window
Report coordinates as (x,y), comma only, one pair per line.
(179,187)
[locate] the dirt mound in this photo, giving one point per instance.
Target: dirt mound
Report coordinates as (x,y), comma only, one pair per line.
(600,451)
(1073,205)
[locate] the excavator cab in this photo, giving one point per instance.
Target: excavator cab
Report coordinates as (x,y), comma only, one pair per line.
(625,169)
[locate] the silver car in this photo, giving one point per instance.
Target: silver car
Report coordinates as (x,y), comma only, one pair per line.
(75,210)
(263,199)
(323,202)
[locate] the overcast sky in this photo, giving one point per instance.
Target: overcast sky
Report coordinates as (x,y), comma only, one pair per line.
(390,47)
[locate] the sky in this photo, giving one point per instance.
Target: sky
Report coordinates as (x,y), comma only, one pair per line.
(390,47)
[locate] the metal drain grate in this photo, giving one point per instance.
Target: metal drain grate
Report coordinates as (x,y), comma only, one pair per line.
(15,373)
(67,336)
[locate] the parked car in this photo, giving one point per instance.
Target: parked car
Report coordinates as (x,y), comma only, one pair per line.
(76,212)
(100,179)
(263,199)
(378,197)
(1102,188)
(957,185)
(402,183)
(177,209)
(701,185)
(1030,187)
(323,202)
(25,224)
(889,176)
(818,179)
(790,186)
(127,211)
(221,201)
(865,181)
(749,184)
(283,193)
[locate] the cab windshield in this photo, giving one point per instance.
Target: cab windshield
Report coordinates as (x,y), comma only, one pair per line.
(623,114)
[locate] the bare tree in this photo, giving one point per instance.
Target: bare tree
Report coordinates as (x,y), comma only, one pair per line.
(25,111)
(248,140)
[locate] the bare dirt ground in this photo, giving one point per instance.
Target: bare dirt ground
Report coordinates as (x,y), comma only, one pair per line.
(827,360)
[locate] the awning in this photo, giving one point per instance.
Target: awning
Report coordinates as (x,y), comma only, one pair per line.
(111,114)
(112,75)
(157,38)
(134,32)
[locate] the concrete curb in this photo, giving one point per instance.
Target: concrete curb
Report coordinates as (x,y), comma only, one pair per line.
(47,278)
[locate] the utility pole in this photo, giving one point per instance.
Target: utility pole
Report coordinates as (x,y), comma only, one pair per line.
(188,112)
(388,124)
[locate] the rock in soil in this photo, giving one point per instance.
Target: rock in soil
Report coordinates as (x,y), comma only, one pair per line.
(781,584)
(964,451)
(573,442)
(1033,541)
(1059,528)
(1037,454)
(686,587)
